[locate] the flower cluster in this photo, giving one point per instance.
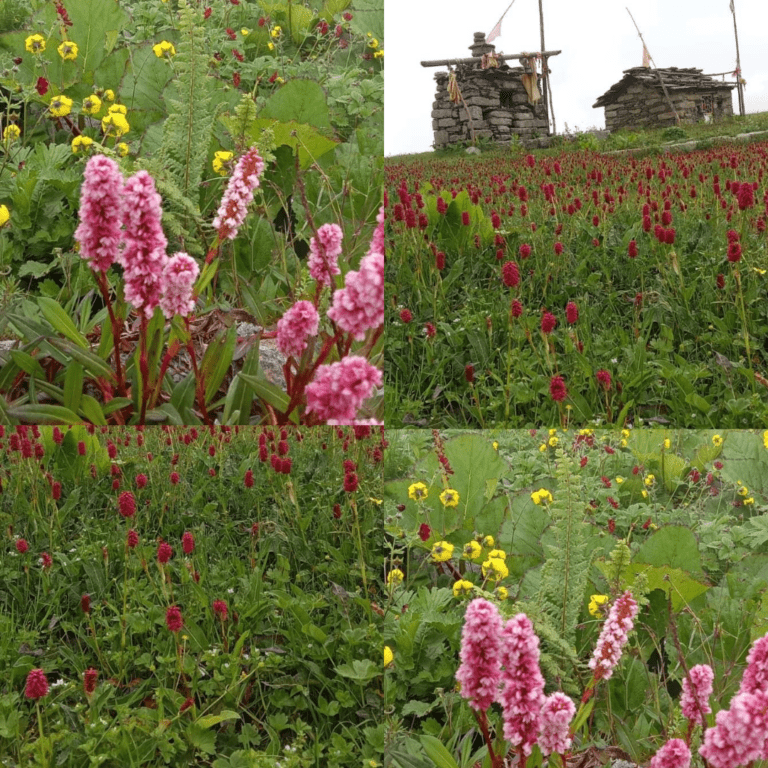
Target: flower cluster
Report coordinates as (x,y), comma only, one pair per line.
(613,637)
(238,195)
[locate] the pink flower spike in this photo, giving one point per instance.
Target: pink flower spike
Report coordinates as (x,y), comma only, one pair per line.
(674,754)
(238,195)
(144,256)
(480,670)
(522,693)
(697,688)
(756,675)
(339,390)
(613,637)
(740,734)
(557,711)
(295,326)
(360,304)
(178,280)
(323,255)
(99,232)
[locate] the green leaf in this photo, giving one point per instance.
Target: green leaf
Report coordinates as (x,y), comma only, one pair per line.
(674,546)
(44,414)
(437,752)
(60,320)
(94,23)
(208,721)
(91,409)
(361,671)
(299,101)
(217,360)
(73,386)
(269,393)
(202,738)
(28,364)
(36,269)
(300,21)
(91,362)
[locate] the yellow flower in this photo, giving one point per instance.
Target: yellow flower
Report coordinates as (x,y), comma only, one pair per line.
(373,43)
(379,54)
(442,551)
(462,587)
(164,49)
(495,568)
(271,46)
(109,94)
(585,432)
(122,149)
(541,495)
(553,431)
(496,445)
(488,542)
(276,32)
(553,441)
(11,132)
(765,439)
(717,441)
(395,576)
(542,448)
(502,593)
(759,271)
(743,490)
(667,444)
(625,433)
(389,657)
(92,104)
(471,550)
(245,32)
(595,603)
(81,143)
(416,491)
(650,480)
(4,215)
(68,50)
(624,442)
(645,493)
(619,480)
(35,44)
(750,500)
(117,109)
(117,121)
(449,497)
(498,554)
(60,106)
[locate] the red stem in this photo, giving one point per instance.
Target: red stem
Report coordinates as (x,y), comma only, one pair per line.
(117,326)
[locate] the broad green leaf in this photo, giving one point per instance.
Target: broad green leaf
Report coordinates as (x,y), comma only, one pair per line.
(94,24)
(91,362)
(674,546)
(61,321)
(300,21)
(361,671)
(299,101)
(269,393)
(305,139)
(746,459)
(91,409)
(28,364)
(202,738)
(208,721)
(217,360)
(73,386)
(44,414)
(437,752)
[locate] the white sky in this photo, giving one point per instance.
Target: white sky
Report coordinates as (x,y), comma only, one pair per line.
(597,39)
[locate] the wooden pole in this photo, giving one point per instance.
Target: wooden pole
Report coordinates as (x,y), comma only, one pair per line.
(545,72)
(658,74)
(739,87)
(476,60)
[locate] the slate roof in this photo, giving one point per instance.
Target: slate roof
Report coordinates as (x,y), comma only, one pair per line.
(674,78)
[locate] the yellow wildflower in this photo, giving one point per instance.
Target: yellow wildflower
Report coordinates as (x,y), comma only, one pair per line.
(68,50)
(488,541)
(60,106)
(496,445)
(35,44)
(748,501)
(389,657)
(11,132)
(717,441)
(553,441)
(117,121)
(765,439)
(442,551)
(164,49)
(117,109)
(416,491)
(245,32)
(395,576)
(471,550)
(743,490)
(502,593)
(625,433)
(81,143)
(595,603)
(462,587)
(276,31)
(379,54)
(619,480)
(541,495)
(5,215)
(449,498)
(667,444)
(122,149)
(645,493)
(553,431)
(650,480)
(495,568)
(109,94)
(271,46)
(373,43)
(92,104)
(499,554)
(542,448)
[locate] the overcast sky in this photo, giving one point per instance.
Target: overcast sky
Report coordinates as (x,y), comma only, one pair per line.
(597,39)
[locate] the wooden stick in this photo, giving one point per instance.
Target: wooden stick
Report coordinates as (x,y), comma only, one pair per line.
(476,59)
(738,62)
(658,74)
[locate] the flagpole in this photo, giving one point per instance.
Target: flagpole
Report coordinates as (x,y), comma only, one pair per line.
(498,23)
(545,73)
(738,63)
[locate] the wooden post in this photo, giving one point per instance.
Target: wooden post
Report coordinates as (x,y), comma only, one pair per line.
(658,74)
(739,87)
(544,73)
(476,60)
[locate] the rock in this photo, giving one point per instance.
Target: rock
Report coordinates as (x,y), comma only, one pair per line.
(472,151)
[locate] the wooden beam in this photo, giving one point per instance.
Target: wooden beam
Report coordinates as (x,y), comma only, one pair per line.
(476,60)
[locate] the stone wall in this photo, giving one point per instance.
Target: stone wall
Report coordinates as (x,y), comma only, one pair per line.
(641,106)
(481,89)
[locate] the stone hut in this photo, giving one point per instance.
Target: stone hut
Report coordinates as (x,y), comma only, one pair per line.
(494,101)
(638,99)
